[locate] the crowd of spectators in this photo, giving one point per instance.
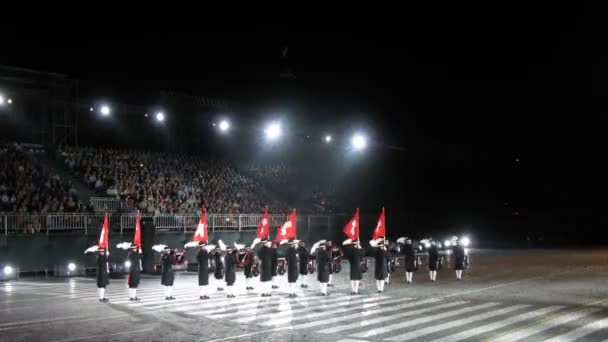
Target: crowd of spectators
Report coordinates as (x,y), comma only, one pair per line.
(26,186)
(167,183)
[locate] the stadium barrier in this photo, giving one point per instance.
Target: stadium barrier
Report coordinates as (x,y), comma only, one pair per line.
(105,204)
(30,224)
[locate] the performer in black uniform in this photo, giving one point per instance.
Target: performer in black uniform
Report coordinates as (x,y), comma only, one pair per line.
(275,262)
(265,256)
(166,275)
(292,267)
(459,255)
(218,273)
(381,256)
(352,252)
(410,260)
(323,267)
(103,269)
(249,259)
(330,249)
(230,263)
(134,271)
(433,260)
(304,256)
(203,270)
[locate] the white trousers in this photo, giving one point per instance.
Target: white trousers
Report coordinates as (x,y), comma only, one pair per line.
(323,287)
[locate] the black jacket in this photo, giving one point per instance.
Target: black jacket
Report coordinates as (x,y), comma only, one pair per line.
(134,270)
(275,261)
(102,271)
(381,257)
(458,252)
(410,256)
(323,265)
(230,263)
(219,266)
(265,255)
(304,256)
(354,259)
(203,267)
(166,276)
(292,265)
(433,258)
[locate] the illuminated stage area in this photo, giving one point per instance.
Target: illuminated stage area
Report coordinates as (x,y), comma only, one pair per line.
(550,295)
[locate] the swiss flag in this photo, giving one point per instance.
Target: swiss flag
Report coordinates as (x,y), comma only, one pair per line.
(380,230)
(264,227)
(288,230)
(103,238)
(352,227)
(201,234)
(137,238)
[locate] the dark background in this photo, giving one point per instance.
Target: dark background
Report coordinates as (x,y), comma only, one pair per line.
(489,124)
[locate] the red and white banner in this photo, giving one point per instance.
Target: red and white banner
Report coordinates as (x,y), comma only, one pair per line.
(201,234)
(103,238)
(288,230)
(380,230)
(264,226)
(352,227)
(137,238)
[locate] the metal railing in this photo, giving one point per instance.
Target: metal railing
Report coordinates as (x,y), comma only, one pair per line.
(25,224)
(105,204)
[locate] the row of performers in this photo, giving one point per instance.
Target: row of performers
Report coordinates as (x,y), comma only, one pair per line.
(222,261)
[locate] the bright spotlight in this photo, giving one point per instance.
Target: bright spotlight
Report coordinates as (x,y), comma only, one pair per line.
(160,117)
(465,241)
(224,125)
(71,267)
(273,131)
(105,110)
(1,100)
(328,138)
(447,243)
(127,264)
(9,101)
(358,141)
(8,270)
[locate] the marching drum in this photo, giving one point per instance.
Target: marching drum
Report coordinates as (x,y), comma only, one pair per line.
(363,265)
(336,259)
(281,266)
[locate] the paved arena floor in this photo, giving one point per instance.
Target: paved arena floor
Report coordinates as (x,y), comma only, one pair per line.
(556,295)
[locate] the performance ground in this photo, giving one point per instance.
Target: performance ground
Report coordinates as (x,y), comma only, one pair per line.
(557,295)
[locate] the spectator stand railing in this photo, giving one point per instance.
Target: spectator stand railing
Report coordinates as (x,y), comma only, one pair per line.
(105,204)
(25,224)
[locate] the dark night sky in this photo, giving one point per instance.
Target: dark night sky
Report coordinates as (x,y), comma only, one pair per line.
(461,99)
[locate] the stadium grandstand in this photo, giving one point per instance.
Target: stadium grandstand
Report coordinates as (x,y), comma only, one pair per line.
(47,170)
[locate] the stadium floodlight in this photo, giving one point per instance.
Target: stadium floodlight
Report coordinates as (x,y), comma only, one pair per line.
(8,270)
(358,142)
(224,126)
(71,267)
(104,110)
(328,139)
(9,101)
(465,241)
(160,117)
(273,131)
